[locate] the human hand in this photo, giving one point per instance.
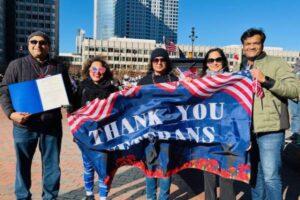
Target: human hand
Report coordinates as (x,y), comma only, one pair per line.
(258,75)
(188,79)
(19,117)
(127,86)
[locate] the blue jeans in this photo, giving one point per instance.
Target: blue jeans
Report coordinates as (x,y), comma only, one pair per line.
(94,161)
(164,185)
(49,143)
(268,182)
(294,108)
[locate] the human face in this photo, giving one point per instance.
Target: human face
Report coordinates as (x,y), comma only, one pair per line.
(214,61)
(252,47)
(96,71)
(159,65)
(38,47)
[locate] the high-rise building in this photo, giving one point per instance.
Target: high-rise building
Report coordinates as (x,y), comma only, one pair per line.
(2,35)
(27,16)
(141,19)
(79,38)
(104,18)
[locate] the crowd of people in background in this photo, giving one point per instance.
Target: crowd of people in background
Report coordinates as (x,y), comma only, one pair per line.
(270,116)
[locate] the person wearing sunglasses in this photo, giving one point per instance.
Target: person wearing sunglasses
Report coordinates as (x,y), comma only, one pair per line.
(270,116)
(32,130)
(159,71)
(97,83)
(215,62)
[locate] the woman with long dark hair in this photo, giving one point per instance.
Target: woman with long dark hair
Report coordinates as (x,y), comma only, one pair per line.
(97,83)
(215,62)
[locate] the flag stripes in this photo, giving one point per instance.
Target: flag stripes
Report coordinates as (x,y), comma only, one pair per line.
(240,87)
(237,86)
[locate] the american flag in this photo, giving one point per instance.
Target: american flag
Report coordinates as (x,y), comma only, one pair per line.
(97,109)
(191,72)
(259,92)
(170,46)
(240,87)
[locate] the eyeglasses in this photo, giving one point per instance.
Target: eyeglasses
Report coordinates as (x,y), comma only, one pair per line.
(97,70)
(156,60)
(41,42)
(211,60)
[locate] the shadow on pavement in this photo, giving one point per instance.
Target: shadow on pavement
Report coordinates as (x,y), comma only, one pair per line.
(190,182)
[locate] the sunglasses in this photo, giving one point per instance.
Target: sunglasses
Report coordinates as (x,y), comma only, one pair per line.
(41,42)
(156,60)
(211,60)
(97,70)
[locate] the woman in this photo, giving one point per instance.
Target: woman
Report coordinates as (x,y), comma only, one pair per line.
(215,62)
(159,71)
(97,83)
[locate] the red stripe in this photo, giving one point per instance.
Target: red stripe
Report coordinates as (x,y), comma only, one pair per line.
(82,111)
(238,98)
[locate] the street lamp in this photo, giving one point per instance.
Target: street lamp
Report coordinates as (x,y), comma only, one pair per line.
(193,37)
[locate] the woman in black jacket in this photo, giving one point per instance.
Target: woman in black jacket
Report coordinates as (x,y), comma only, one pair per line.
(97,83)
(160,71)
(215,62)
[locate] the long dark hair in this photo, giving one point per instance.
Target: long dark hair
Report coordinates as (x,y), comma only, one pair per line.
(87,64)
(224,60)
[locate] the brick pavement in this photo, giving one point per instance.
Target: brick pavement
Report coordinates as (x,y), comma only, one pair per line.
(128,182)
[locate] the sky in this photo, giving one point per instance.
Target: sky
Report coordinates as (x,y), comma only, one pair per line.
(216,22)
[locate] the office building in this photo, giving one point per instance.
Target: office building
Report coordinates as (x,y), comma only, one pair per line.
(79,38)
(104,19)
(134,54)
(140,19)
(27,16)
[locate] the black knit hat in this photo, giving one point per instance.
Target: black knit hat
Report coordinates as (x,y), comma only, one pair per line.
(39,33)
(159,52)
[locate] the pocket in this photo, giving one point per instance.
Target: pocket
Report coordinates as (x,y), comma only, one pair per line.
(23,134)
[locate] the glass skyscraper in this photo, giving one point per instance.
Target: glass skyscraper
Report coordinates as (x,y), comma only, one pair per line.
(104,19)
(142,19)
(27,16)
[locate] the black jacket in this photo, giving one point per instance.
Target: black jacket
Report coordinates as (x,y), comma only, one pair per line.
(150,78)
(88,91)
(26,69)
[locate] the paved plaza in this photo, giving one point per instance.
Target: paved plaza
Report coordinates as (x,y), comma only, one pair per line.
(129,182)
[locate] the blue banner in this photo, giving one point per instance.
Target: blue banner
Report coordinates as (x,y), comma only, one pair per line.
(164,128)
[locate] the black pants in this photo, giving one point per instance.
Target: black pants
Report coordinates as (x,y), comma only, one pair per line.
(210,186)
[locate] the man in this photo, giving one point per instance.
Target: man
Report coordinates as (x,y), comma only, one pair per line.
(43,129)
(270,114)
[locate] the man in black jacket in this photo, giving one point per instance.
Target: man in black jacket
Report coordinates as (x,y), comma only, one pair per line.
(43,129)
